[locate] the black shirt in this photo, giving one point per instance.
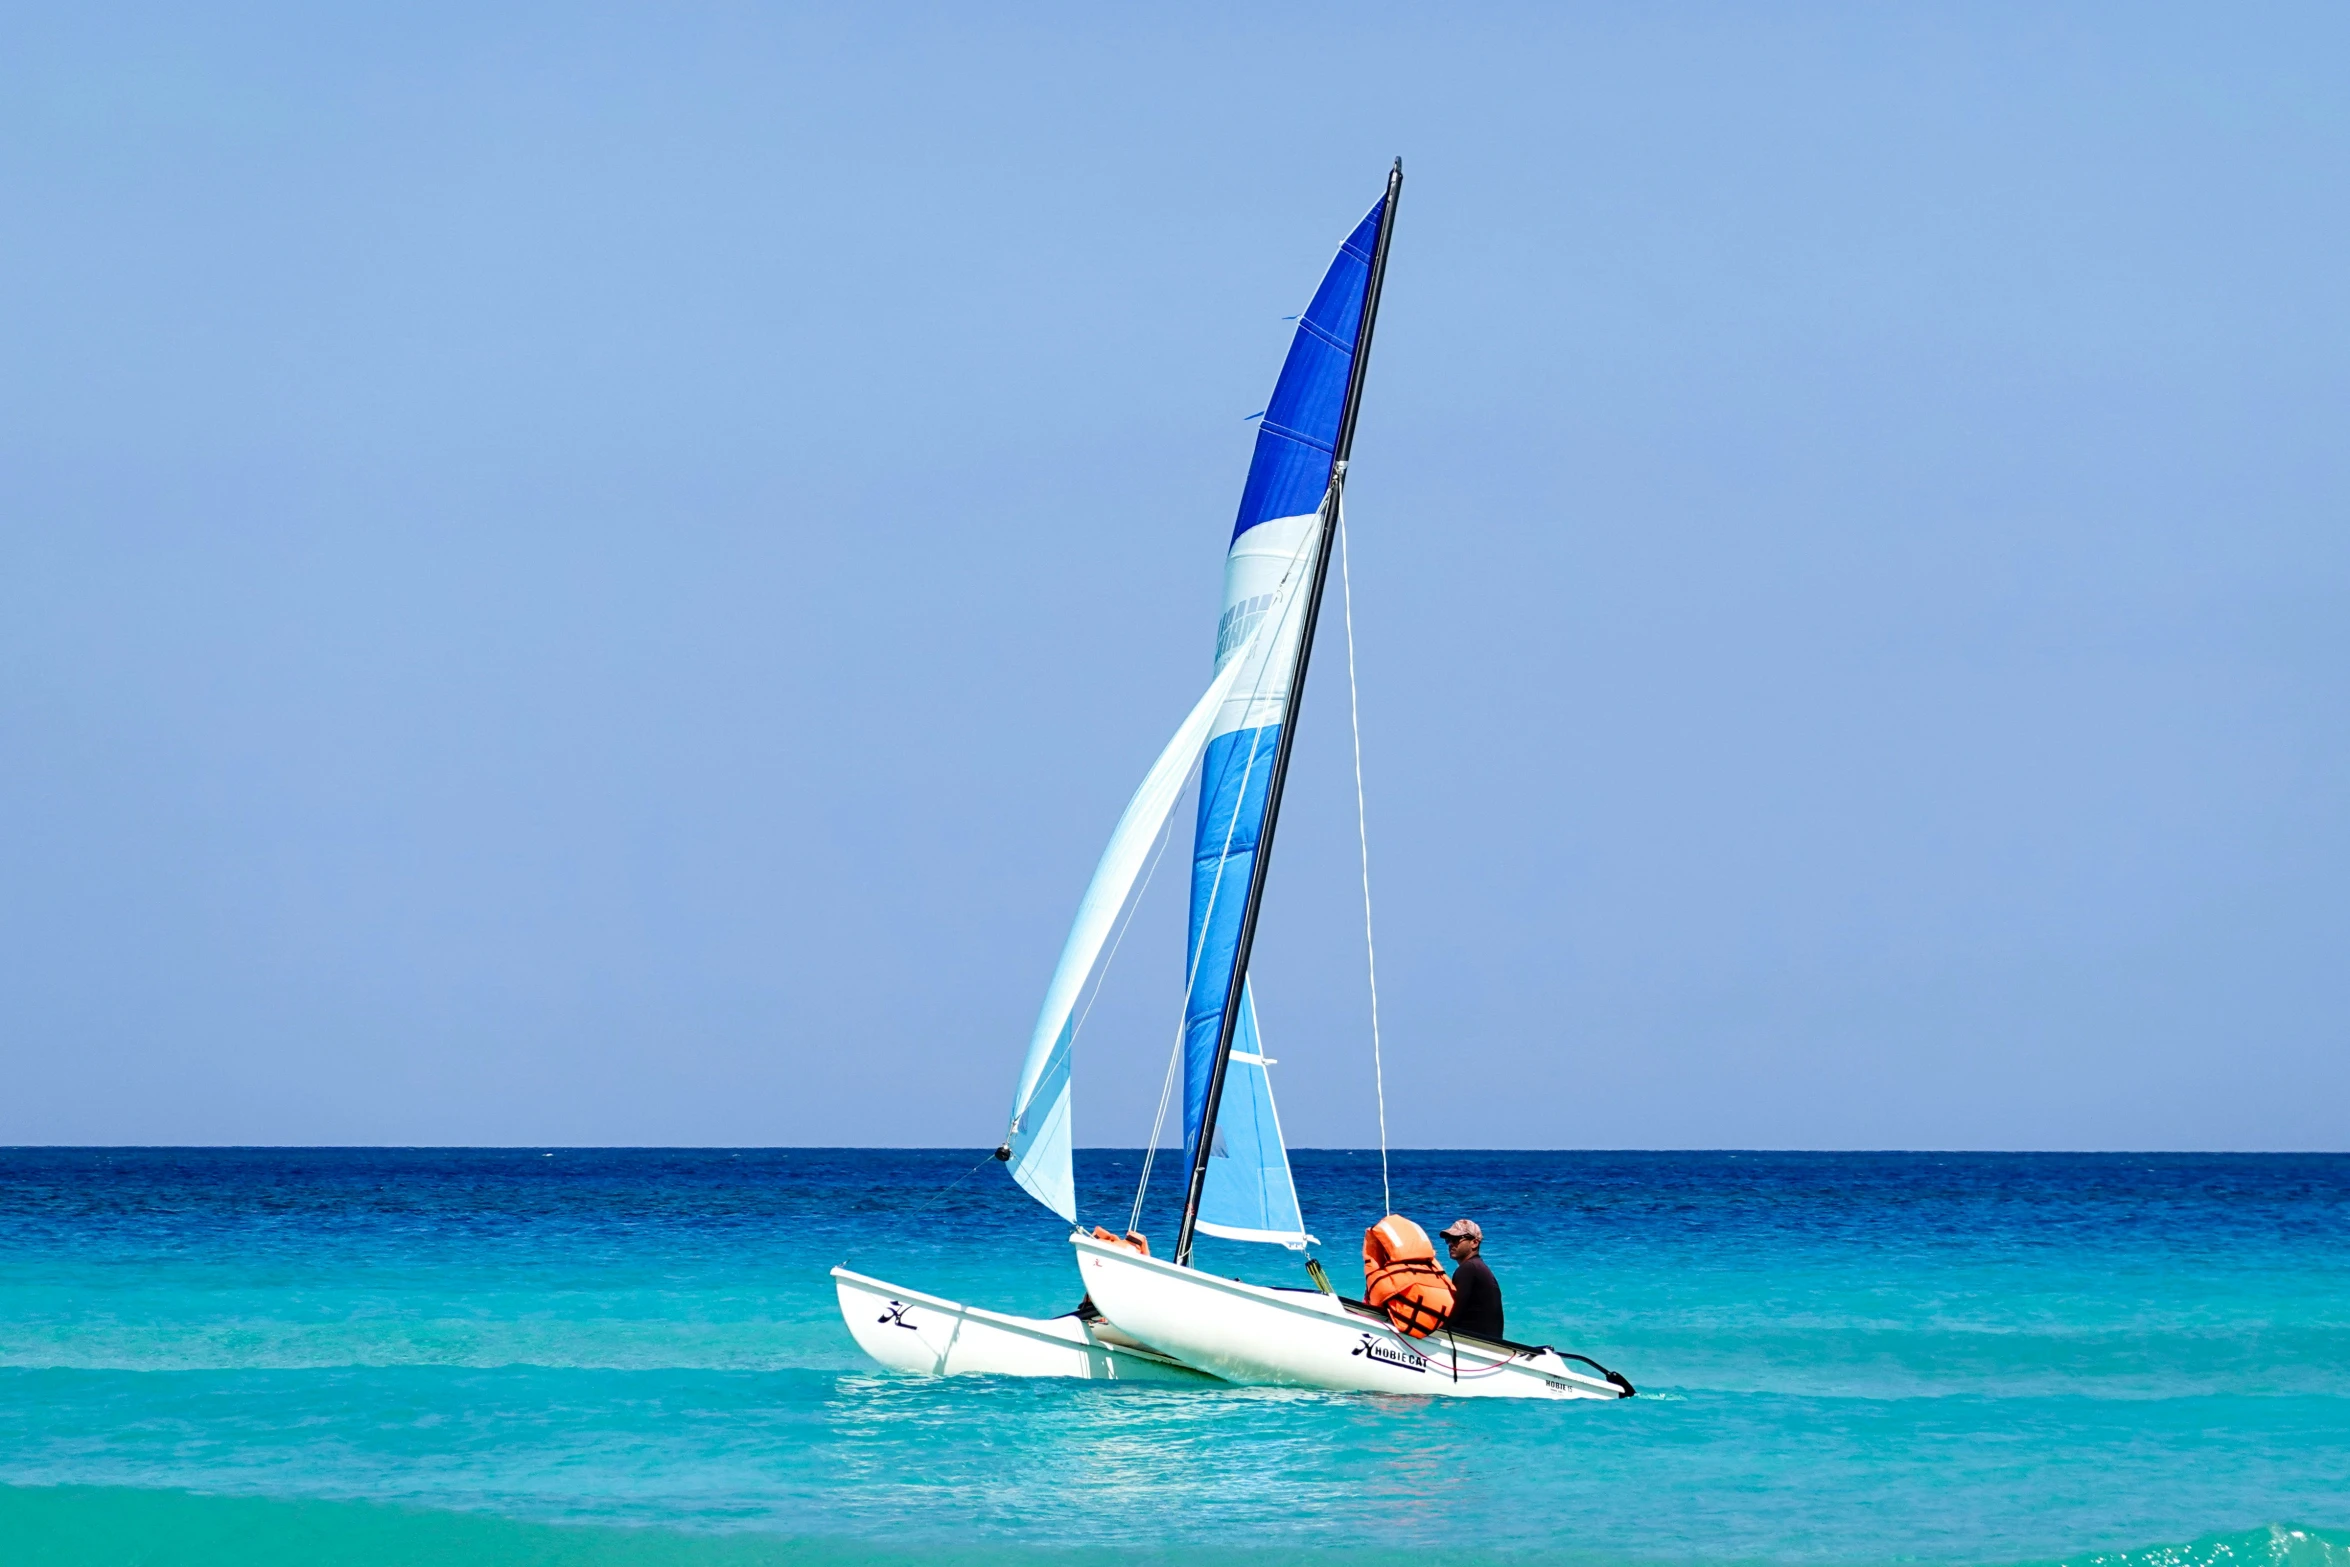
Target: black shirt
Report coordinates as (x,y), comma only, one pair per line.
(1476,1300)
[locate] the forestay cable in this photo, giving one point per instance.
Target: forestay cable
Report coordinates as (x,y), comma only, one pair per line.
(1354,714)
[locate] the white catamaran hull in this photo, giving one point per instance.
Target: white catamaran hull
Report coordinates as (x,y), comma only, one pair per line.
(1304,1338)
(907,1330)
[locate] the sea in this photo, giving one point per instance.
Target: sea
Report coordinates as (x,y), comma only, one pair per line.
(635,1357)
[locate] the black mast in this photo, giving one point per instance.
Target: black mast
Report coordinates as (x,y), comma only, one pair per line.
(1297,687)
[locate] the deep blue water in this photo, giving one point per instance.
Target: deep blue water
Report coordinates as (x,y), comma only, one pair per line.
(1843,1358)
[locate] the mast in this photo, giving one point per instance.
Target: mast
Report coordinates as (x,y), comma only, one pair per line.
(1197,1184)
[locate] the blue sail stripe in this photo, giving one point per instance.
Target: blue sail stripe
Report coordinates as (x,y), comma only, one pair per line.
(1299,431)
(1235,779)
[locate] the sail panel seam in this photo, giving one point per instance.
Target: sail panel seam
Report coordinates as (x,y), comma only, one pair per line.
(1299,436)
(1309,324)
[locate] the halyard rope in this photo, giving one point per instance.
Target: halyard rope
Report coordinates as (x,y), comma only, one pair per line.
(1363,836)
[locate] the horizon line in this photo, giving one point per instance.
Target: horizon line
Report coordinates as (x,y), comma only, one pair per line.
(950,1148)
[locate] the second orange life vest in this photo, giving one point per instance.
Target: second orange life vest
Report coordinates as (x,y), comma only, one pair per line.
(1402,1277)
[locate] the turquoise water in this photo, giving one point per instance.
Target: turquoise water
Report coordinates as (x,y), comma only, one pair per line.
(505,1355)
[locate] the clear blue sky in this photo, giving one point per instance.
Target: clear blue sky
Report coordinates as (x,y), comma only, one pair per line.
(600,574)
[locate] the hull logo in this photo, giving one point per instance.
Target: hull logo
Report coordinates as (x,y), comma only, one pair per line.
(897,1314)
(1388,1353)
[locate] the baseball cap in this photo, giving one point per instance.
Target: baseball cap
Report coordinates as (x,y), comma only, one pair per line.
(1461,1227)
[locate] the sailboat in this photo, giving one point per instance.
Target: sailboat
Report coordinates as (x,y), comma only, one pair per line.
(1164,1319)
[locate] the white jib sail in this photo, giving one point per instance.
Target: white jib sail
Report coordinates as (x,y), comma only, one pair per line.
(1039,1137)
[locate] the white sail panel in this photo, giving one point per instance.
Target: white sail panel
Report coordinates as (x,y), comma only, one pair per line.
(1264,615)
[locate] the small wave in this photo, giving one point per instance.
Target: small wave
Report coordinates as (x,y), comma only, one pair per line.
(103,1526)
(2278,1545)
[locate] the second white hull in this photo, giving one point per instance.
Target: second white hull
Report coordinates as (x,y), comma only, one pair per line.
(908,1330)
(1304,1338)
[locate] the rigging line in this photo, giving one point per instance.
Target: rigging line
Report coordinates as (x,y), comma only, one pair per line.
(937,1197)
(1133,906)
(1256,693)
(1363,836)
(1150,1150)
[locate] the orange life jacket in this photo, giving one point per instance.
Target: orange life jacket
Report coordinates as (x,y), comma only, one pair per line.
(1130,1240)
(1402,1277)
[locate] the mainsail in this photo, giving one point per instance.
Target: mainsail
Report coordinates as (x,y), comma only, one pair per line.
(1273,577)
(1279,544)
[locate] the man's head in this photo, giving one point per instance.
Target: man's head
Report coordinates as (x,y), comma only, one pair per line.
(1463,1238)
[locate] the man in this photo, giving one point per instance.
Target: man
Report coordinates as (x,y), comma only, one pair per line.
(1476,1293)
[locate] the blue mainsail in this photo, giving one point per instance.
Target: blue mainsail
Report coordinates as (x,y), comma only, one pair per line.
(1248,1193)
